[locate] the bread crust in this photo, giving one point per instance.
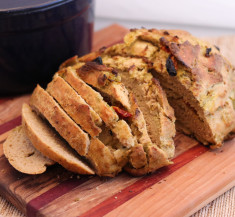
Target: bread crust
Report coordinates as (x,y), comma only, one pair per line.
(102,159)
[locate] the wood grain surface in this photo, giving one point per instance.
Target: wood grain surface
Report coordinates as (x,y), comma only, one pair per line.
(197,176)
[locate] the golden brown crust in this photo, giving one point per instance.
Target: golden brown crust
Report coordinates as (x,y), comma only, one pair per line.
(120,129)
(102,159)
(75,106)
(69,62)
(138,157)
(156,159)
(64,125)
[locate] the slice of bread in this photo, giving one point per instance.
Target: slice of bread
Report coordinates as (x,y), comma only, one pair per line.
(22,155)
(47,141)
(198,80)
(42,102)
(75,106)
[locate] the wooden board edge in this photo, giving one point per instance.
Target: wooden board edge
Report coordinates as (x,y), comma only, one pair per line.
(213,197)
(181,190)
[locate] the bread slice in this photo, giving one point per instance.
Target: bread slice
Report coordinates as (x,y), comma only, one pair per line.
(64,125)
(198,80)
(47,141)
(22,155)
(75,106)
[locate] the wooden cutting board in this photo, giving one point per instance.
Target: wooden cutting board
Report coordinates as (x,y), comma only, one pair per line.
(197,176)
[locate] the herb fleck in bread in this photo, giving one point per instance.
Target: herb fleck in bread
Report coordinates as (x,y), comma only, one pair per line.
(22,155)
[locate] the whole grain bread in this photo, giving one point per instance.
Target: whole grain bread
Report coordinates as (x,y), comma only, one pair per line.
(22,155)
(45,139)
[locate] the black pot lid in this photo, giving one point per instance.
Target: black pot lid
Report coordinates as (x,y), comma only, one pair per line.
(22,5)
(28,15)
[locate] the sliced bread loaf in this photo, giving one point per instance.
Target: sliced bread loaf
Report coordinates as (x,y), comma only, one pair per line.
(45,139)
(22,155)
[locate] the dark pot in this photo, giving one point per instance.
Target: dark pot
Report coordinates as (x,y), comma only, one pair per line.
(36,36)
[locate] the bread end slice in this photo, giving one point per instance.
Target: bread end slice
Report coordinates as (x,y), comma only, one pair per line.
(22,155)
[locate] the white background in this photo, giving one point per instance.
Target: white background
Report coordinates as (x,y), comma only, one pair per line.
(201,18)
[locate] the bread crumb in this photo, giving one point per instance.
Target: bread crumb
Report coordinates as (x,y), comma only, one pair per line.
(76,199)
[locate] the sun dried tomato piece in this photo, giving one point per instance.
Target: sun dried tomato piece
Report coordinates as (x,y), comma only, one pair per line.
(122,113)
(171,66)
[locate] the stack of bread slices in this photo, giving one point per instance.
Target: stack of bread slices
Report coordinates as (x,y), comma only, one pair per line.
(106,112)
